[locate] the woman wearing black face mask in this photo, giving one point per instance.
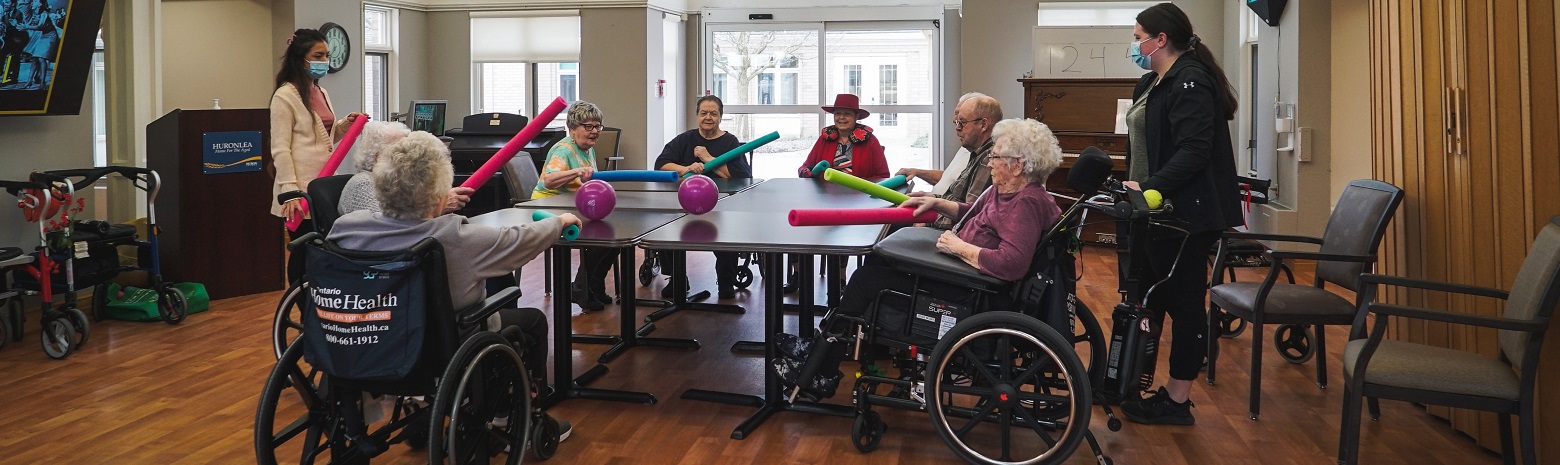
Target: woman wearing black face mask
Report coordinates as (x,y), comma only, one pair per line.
(1179,144)
(304,128)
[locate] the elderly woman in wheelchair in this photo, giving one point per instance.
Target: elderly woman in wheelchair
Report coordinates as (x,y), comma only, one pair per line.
(996,235)
(411,256)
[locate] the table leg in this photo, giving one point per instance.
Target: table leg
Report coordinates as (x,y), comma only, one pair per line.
(565,387)
(628,336)
(772,400)
(679,272)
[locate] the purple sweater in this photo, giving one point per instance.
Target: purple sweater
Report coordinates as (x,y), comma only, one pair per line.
(1007,227)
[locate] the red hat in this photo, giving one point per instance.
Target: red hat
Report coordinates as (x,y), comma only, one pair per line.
(847,102)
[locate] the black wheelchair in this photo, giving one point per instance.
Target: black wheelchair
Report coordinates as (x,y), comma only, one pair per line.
(1012,356)
(460,391)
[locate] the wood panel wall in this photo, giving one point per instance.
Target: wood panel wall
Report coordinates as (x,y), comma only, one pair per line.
(1464,105)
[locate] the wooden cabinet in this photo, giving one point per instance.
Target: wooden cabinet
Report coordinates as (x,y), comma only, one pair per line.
(1082,113)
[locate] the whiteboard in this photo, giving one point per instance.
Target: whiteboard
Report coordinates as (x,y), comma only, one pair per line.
(1083,52)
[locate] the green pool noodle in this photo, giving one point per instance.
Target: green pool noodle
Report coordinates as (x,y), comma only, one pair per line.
(569,233)
(894,182)
(865,186)
(727,157)
(818,168)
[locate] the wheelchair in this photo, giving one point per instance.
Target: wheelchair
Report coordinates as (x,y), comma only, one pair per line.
(1009,357)
(459,391)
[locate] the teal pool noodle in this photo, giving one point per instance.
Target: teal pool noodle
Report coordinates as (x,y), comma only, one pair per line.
(727,157)
(865,186)
(818,168)
(570,233)
(894,182)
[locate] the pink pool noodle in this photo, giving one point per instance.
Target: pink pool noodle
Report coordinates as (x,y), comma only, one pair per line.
(515,144)
(846,216)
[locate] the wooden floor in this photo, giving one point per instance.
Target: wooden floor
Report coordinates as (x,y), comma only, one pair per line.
(150,393)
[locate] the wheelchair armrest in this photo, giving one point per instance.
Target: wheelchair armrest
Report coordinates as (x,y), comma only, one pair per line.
(1319,256)
(914,250)
(479,313)
(1372,278)
(1420,313)
(1272,237)
(304,239)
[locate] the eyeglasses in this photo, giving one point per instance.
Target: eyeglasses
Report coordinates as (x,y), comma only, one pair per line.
(959,123)
(990,158)
(708,113)
(591,127)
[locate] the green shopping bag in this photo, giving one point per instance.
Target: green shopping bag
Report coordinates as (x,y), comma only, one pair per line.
(140,304)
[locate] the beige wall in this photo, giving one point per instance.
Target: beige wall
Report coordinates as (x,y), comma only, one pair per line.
(614,74)
(447,70)
(1350,78)
(412,55)
(216,49)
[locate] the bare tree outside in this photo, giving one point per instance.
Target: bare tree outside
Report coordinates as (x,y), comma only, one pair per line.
(744,56)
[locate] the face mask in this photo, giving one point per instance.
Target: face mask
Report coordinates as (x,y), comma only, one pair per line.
(317,69)
(1135,52)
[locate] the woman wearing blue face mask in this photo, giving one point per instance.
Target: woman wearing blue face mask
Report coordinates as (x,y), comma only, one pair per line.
(1179,144)
(304,128)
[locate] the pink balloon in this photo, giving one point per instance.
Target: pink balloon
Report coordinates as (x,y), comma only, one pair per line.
(595,199)
(698,194)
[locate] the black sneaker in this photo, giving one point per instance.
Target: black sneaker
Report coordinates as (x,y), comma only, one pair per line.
(670,292)
(1159,409)
(727,291)
(582,297)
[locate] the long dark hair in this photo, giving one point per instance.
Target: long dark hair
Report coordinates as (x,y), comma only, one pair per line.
(295,64)
(1168,19)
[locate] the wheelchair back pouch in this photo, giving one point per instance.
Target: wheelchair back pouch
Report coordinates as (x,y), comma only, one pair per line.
(93,250)
(364,320)
(140,304)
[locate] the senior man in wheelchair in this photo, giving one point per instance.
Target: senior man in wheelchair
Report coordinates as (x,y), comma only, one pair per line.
(996,234)
(411,181)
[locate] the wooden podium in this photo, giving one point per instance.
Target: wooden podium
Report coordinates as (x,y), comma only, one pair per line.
(216,229)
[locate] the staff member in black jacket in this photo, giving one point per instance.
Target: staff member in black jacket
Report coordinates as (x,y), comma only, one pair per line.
(1179,145)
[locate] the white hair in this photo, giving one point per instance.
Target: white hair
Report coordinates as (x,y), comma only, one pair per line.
(375,137)
(1030,141)
(985,106)
(413,176)
(582,112)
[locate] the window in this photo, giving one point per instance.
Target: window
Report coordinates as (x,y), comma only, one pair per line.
(524,60)
(378,47)
(853,79)
(376,89)
(774,77)
(99,107)
(1090,13)
(888,93)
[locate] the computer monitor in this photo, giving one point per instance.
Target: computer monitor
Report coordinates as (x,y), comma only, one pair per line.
(428,115)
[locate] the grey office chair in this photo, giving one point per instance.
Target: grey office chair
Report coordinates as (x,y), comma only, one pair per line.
(1348,249)
(1375,368)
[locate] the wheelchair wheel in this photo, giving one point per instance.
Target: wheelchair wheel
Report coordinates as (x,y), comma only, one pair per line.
(79,321)
(1013,372)
(297,425)
(744,277)
(1294,343)
(483,407)
(1090,345)
(287,323)
(172,305)
(648,269)
(1231,325)
(545,437)
(99,302)
(867,431)
(5,331)
(58,336)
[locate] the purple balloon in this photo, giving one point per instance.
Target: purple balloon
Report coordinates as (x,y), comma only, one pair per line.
(698,194)
(595,199)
